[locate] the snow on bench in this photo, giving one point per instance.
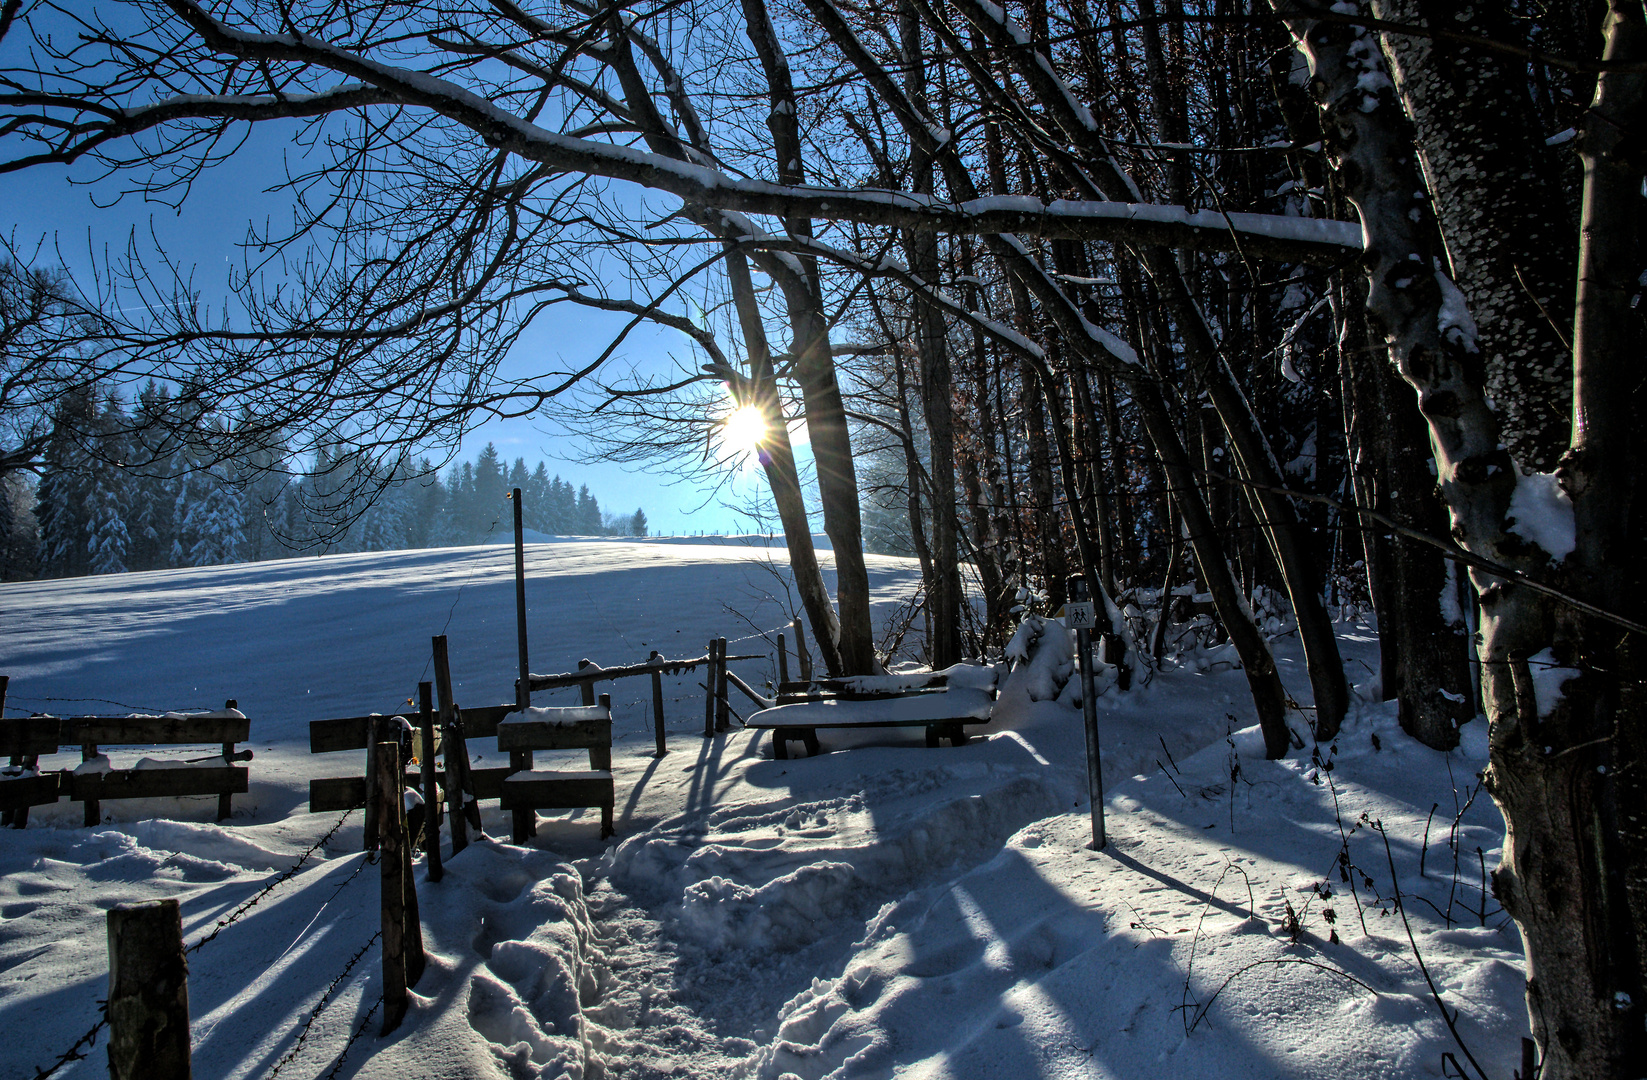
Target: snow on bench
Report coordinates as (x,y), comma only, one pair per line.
(943,702)
(96,779)
(583,727)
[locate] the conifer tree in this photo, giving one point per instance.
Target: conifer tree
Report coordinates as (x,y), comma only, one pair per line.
(18,537)
(488,507)
(152,522)
(65,488)
(588,514)
(213,525)
(537,510)
(109,491)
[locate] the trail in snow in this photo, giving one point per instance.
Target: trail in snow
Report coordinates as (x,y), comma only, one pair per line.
(881,910)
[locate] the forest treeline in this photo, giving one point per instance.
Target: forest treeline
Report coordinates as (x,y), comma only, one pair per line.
(133,486)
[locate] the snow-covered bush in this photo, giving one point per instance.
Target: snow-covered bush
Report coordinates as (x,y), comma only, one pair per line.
(1042,653)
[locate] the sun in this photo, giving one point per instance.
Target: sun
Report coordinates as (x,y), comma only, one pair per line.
(744,430)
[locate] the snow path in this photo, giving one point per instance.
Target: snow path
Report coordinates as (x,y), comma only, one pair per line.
(889,911)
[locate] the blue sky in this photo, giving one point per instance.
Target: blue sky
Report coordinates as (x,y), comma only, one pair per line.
(44,202)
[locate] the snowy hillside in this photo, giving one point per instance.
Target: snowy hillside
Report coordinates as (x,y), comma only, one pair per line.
(887,910)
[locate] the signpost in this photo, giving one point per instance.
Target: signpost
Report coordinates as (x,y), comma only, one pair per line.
(1082,616)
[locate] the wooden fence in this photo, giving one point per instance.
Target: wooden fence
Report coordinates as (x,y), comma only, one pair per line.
(24,739)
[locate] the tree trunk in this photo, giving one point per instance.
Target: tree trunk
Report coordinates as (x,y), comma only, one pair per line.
(777,458)
(1290,540)
(1511,254)
(1269,696)
(1423,642)
(821,397)
(987,539)
(937,392)
(826,422)
(1566,773)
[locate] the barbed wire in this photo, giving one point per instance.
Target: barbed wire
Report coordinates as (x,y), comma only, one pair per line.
(106,701)
(88,1040)
(90,1037)
(325,998)
(286,875)
(337,1066)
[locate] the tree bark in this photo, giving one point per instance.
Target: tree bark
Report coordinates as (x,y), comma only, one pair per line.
(777,457)
(1512,253)
(1564,772)
(1423,642)
(937,392)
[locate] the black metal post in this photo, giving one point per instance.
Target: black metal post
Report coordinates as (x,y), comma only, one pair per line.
(1083,617)
(523,689)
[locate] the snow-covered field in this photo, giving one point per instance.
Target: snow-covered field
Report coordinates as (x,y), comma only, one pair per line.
(885,910)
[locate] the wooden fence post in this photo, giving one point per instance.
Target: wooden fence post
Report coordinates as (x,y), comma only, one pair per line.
(723,716)
(466,779)
(657,703)
(19,817)
(148,993)
(452,733)
(416,959)
(431,795)
(709,691)
(783,664)
(94,809)
(587,687)
(225,800)
(392,892)
(801,654)
(373,825)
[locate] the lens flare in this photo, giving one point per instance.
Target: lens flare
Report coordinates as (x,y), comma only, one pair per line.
(744,430)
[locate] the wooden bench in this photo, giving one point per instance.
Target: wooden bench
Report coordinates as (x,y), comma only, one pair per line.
(943,702)
(355,733)
(95,779)
(586,727)
(22,784)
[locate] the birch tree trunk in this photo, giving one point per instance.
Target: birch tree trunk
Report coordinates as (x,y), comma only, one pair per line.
(1566,761)
(1492,182)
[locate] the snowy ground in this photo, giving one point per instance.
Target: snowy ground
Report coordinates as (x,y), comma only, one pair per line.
(887,910)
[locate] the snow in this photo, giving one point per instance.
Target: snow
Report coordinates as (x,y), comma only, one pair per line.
(1549,677)
(1543,514)
(912,709)
(563,715)
(881,909)
(1454,320)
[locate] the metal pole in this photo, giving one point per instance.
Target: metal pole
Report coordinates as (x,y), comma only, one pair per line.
(524,821)
(1084,617)
(523,690)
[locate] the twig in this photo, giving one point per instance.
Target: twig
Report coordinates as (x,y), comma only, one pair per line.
(1276,963)
(1401,909)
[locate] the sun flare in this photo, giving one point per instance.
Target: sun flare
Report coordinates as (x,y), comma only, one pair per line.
(744,430)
